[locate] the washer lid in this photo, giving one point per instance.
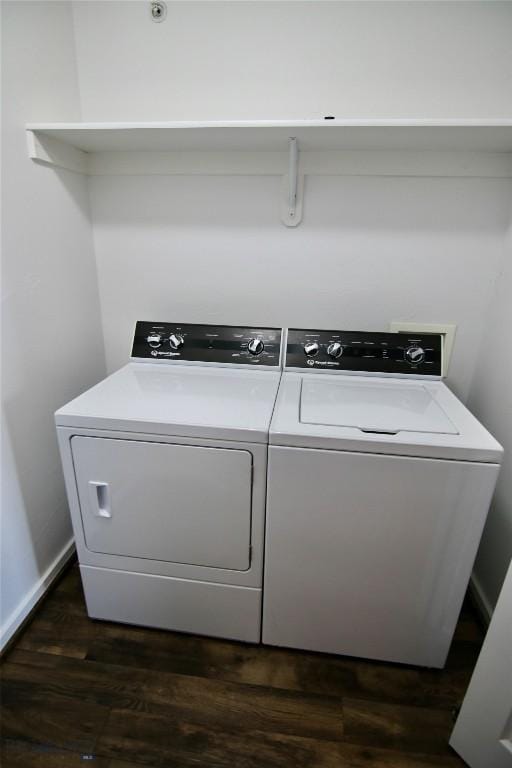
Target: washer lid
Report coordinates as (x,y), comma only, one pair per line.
(383,408)
(378,415)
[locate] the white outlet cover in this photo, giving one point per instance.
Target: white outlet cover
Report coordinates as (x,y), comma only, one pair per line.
(446,329)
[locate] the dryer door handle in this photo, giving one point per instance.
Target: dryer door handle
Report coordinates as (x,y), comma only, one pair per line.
(100,498)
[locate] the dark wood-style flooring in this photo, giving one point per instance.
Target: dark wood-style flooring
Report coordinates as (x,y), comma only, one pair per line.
(76,692)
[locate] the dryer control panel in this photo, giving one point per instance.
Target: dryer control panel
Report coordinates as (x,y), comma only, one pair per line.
(365,352)
(214,344)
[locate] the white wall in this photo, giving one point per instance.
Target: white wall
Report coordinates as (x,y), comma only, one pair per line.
(491,400)
(229,60)
(51,332)
(369,250)
(212,249)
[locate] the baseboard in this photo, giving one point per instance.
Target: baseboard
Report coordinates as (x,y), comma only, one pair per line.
(480,600)
(38,591)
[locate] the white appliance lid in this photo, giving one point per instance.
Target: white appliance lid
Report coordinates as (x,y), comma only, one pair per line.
(363,414)
(181,400)
(383,408)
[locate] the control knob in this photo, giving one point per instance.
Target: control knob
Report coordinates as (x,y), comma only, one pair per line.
(335,349)
(311,348)
(255,347)
(176,341)
(414,355)
(154,339)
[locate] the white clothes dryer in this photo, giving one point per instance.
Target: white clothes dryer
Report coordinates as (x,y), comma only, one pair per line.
(165,465)
(378,490)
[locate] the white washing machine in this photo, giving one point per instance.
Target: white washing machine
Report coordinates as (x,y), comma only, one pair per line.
(165,464)
(378,489)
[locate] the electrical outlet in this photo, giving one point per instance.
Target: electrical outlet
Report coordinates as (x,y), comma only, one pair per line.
(447,330)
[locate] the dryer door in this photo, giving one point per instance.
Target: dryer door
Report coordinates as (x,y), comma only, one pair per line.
(174,503)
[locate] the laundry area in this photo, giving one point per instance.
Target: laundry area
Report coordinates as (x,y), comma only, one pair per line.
(256,412)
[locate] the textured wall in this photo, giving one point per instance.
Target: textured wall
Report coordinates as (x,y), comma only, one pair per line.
(229,60)
(491,400)
(51,330)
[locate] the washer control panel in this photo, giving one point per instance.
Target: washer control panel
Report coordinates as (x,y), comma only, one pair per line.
(365,352)
(217,344)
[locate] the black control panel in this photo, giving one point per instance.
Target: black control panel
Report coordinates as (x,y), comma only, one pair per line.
(238,345)
(367,352)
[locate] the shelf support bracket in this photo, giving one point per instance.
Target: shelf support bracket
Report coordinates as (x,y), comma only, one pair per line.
(293,188)
(49,151)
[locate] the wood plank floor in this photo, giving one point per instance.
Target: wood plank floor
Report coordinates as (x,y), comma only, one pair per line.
(78,692)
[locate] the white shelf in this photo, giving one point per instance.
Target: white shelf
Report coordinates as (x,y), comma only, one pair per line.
(289,149)
(265,135)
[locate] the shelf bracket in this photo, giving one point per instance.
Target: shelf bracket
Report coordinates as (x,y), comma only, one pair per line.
(49,151)
(293,188)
